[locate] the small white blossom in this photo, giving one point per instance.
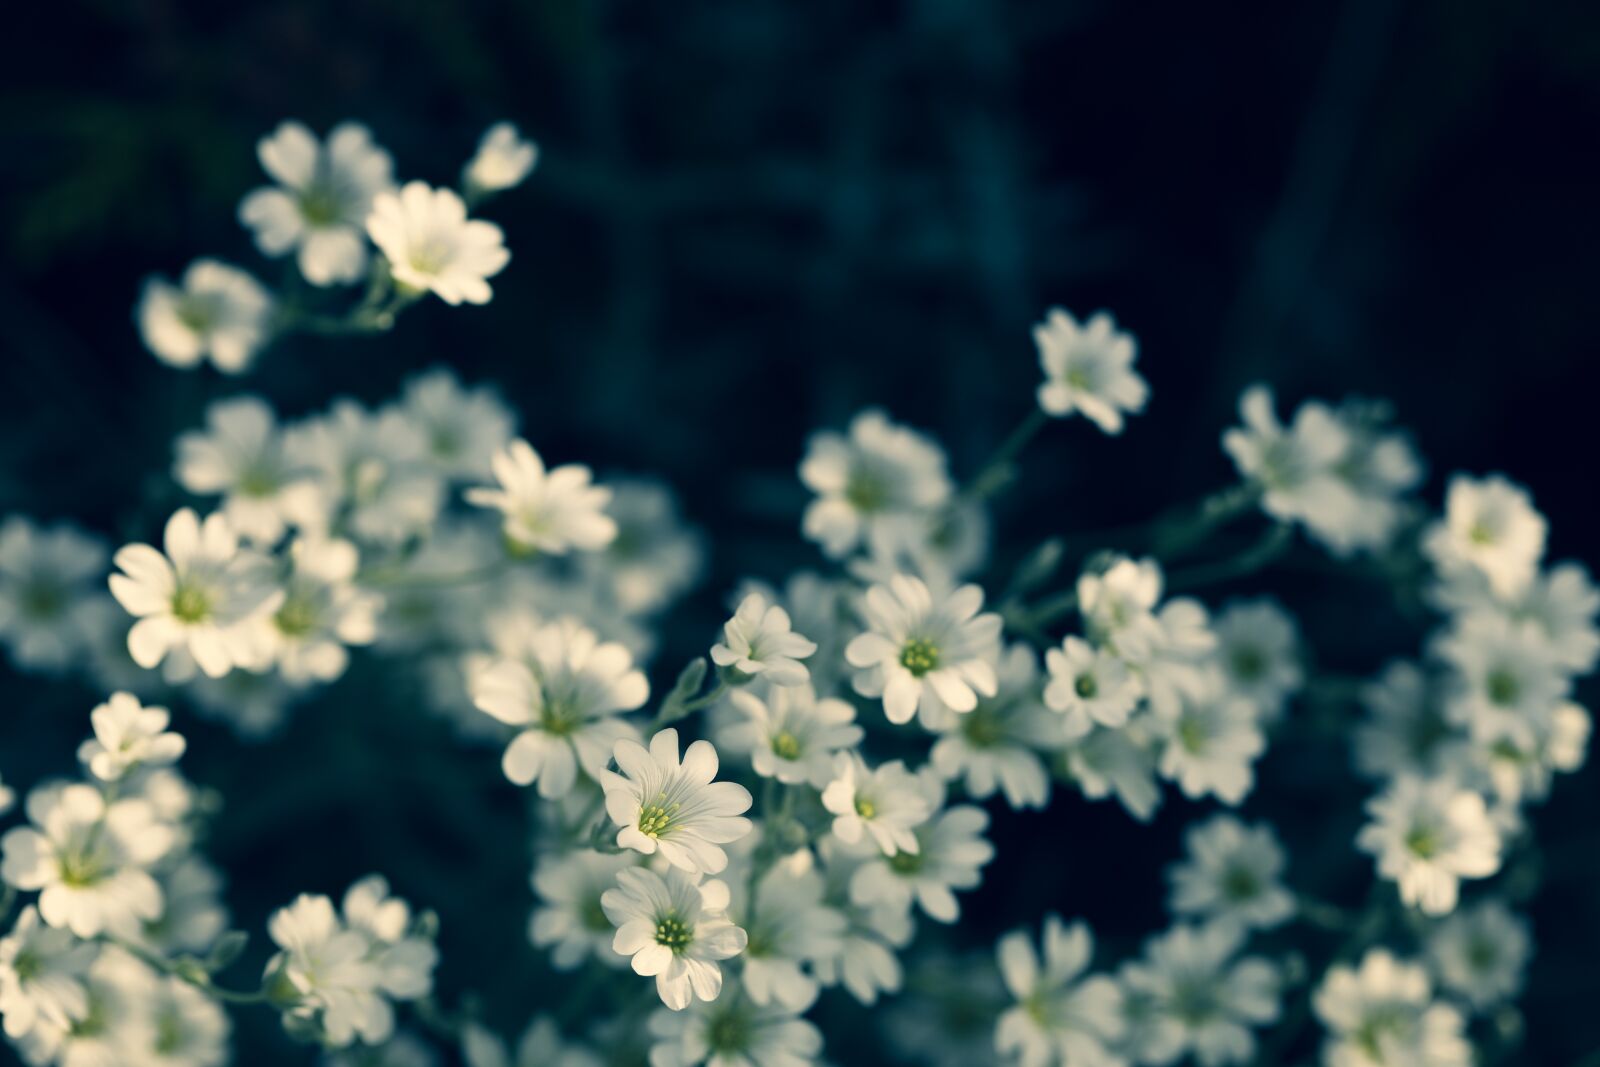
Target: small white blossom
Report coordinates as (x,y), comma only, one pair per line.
(880,471)
(734,1030)
(217,312)
(570,921)
(1089,687)
(432,246)
(1088,368)
(1117,762)
(322,198)
(672,807)
(1258,651)
(463,428)
(1061,1015)
(1205,1000)
(1427,835)
(758,641)
(194,601)
(542,1044)
(550,511)
(1382,1014)
(998,745)
(1118,606)
(925,654)
(1480,954)
(950,855)
(1232,873)
(502,161)
(562,689)
(369,472)
(240,454)
(886,803)
(1406,731)
(128,735)
(322,612)
(655,557)
(675,931)
(1490,526)
(1211,743)
(42,976)
(1298,468)
(790,930)
(790,734)
(48,616)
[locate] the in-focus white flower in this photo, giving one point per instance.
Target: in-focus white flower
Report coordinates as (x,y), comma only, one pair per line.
(734,1030)
(675,930)
(1298,468)
(1061,1015)
(881,470)
(88,860)
(758,641)
(1205,1000)
(927,654)
(998,744)
(1258,650)
(322,198)
(562,689)
(47,615)
(1211,743)
(432,246)
(1427,835)
(463,428)
(1480,954)
(1089,686)
(42,976)
(128,735)
(1088,368)
(950,855)
(217,312)
(790,930)
(1382,1014)
(502,161)
(322,612)
(550,511)
(791,735)
(1232,873)
(240,455)
(194,601)
(886,803)
(1118,606)
(570,921)
(675,808)
(1489,525)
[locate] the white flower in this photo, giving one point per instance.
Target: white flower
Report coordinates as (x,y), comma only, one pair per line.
(1559,604)
(47,615)
(117,1026)
(1297,468)
(240,454)
(886,803)
(1088,368)
(1211,743)
(1120,762)
(192,603)
(1379,467)
(127,735)
(192,914)
(326,971)
(370,473)
(88,860)
(1382,1014)
(321,612)
(881,470)
(404,958)
(1118,606)
(1089,686)
(42,974)
(323,195)
(921,654)
(503,160)
(790,734)
(790,929)
(1205,1001)
(1428,835)
(1258,650)
(733,1032)
(1232,873)
(1406,731)
(549,511)
(1490,526)
(997,745)
(950,853)
(1507,682)
(571,922)
(1061,1016)
(432,246)
(675,808)
(675,931)
(757,641)
(1480,954)
(217,312)
(562,691)
(186,1027)
(463,428)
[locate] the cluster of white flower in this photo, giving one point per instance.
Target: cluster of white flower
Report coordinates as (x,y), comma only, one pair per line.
(333,203)
(112,957)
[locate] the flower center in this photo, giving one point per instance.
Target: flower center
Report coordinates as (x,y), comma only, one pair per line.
(866,490)
(258,482)
(559,716)
(1503,687)
(1086,686)
(982,728)
(729,1033)
(43,599)
(1423,841)
(1192,734)
(866,808)
(674,934)
(430,256)
(1248,663)
(297,618)
(654,819)
(919,656)
(319,205)
(190,604)
(905,862)
(594,916)
(786,746)
(1480,534)
(1240,884)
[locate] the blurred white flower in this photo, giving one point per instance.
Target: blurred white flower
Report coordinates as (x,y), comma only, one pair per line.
(1211,743)
(733,1030)
(1231,873)
(1427,835)
(950,854)
(217,312)
(240,455)
(1381,1013)
(48,616)
(1489,526)
(502,161)
(790,734)
(880,470)
(1298,468)
(672,807)
(1480,954)
(675,931)
(1088,368)
(570,921)
(1061,1015)
(323,196)
(42,976)
(1258,651)
(1089,686)
(322,611)
(758,642)
(1205,1000)
(550,511)
(1118,606)
(432,246)
(128,735)
(463,428)
(790,928)
(999,743)
(885,803)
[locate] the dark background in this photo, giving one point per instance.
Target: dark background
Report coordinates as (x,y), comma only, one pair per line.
(749,220)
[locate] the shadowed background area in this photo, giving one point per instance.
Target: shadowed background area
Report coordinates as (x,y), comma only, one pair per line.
(749,220)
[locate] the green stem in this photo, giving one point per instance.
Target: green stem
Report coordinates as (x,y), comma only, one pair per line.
(1273,544)
(999,472)
(200,980)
